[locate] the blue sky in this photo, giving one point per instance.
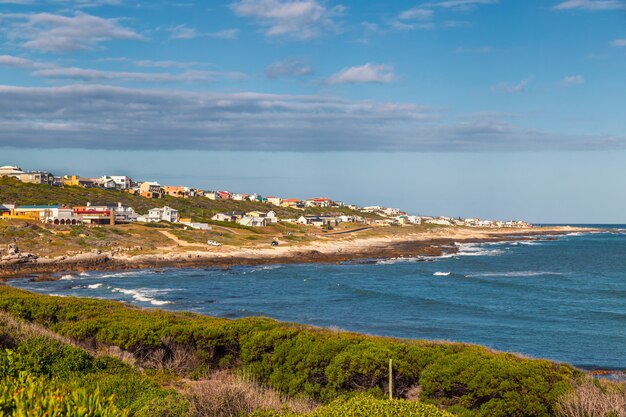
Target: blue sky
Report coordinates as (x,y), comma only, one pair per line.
(433,105)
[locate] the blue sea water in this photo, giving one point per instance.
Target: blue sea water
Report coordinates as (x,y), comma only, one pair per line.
(562,299)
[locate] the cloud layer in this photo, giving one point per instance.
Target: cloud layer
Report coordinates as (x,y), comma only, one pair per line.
(105,117)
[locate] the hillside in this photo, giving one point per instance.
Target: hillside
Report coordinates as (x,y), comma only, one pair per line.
(200,209)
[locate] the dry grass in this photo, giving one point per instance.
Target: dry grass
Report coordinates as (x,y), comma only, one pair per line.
(593,398)
(14,330)
(225,394)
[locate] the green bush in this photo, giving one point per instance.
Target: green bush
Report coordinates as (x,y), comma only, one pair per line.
(365,406)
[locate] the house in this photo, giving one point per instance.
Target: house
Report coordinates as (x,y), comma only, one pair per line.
(230,216)
(240,197)
(76,181)
(149,189)
(292,203)
(392,212)
(318,202)
(121,182)
(37,177)
(271,217)
(178,192)
(101,215)
(224,195)
(10,171)
(194,225)
(349,219)
(319,221)
(212,195)
(165,213)
(106,183)
(252,221)
(46,214)
(274,200)
(121,213)
(6,208)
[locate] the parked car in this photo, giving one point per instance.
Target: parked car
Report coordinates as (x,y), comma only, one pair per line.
(275,243)
(213,243)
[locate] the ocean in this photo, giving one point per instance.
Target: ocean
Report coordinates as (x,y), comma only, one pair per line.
(563,299)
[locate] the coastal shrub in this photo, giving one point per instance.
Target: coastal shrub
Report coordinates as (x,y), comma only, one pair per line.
(593,398)
(26,395)
(366,406)
(300,360)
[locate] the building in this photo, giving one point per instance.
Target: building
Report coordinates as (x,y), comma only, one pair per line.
(318,202)
(95,215)
(180,192)
(253,221)
(121,182)
(37,177)
(274,200)
(229,216)
(319,221)
(292,203)
(121,214)
(150,189)
(10,171)
(76,181)
(165,213)
(46,214)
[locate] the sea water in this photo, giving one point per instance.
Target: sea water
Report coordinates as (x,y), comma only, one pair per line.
(562,299)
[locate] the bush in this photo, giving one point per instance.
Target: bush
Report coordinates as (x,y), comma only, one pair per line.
(365,406)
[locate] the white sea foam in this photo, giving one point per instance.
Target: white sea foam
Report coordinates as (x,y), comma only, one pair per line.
(83,274)
(513,274)
(94,286)
(142,295)
(476,249)
(68,277)
(441,274)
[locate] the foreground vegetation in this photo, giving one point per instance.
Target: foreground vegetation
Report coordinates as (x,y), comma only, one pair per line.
(295,361)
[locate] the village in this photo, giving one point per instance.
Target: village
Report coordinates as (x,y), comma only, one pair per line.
(110,214)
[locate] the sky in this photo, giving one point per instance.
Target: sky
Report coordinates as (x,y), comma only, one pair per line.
(481,108)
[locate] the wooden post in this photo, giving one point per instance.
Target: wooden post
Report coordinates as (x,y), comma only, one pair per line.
(390,379)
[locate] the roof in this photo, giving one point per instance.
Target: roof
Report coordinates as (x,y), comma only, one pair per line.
(38,207)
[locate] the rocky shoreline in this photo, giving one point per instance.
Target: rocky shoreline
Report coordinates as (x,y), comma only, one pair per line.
(18,264)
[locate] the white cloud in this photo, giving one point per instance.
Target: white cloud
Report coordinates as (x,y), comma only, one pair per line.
(16,62)
(183,32)
(509,88)
(591,5)
(619,42)
(288,68)
(416,13)
(460,4)
(225,34)
(93,75)
(57,33)
(573,80)
(368,73)
(300,19)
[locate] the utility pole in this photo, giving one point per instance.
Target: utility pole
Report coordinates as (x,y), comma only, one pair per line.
(391,379)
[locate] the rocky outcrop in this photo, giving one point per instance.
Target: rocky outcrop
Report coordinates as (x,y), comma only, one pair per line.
(15,256)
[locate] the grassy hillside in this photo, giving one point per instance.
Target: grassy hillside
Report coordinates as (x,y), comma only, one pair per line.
(201,209)
(301,361)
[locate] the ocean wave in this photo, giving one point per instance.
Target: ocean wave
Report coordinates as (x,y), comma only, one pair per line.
(142,295)
(67,277)
(513,274)
(94,286)
(441,274)
(476,249)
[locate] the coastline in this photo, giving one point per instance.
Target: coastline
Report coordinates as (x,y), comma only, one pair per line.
(435,242)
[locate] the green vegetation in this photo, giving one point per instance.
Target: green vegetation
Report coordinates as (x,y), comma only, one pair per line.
(367,406)
(296,360)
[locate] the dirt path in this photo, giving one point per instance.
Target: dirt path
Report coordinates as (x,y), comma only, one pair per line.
(345,232)
(180,242)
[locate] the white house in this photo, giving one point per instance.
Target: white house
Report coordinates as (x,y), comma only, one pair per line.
(253,221)
(165,213)
(274,200)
